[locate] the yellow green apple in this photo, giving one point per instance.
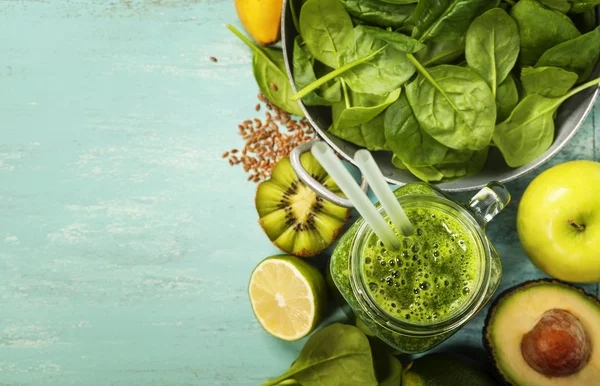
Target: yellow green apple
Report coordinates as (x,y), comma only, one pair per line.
(558,221)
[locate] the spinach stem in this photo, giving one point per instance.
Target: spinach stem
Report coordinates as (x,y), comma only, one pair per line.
(589,84)
(345,90)
(257,50)
(333,74)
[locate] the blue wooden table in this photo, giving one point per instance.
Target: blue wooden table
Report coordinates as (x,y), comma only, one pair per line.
(126,242)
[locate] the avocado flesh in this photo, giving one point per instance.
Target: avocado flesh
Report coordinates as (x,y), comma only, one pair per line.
(441,369)
(516,313)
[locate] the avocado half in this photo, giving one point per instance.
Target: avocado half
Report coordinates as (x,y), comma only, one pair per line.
(545,333)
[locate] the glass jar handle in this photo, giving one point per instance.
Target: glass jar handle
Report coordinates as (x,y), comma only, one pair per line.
(488,202)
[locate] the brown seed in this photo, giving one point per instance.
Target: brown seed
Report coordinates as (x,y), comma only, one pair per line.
(225,154)
(231,162)
(213,59)
(274,86)
(257,108)
(233,151)
(250,177)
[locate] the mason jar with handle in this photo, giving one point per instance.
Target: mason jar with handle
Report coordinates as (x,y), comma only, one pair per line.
(415,298)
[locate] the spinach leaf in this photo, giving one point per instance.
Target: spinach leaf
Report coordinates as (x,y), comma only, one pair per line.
(379,13)
(401,1)
(395,40)
(540,29)
(381,75)
(406,139)
(368,135)
(492,46)
(334,355)
(578,55)
(327,30)
(444,172)
(559,5)
(304,75)
(388,368)
(336,73)
(268,67)
(360,108)
(507,97)
(449,19)
(550,82)
(580,6)
(397,162)
(441,51)
(529,131)
(457,156)
(425,173)
(453,105)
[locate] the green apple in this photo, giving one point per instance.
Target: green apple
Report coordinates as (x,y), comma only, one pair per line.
(558,221)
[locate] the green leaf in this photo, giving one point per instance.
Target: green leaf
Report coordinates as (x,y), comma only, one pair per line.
(507,98)
(578,55)
(492,46)
(448,19)
(360,108)
(379,13)
(388,368)
(540,29)
(441,51)
(401,1)
(368,135)
(448,171)
(326,29)
(304,75)
(381,75)
(397,162)
(550,82)
(335,355)
(453,105)
(558,5)
(395,40)
(268,67)
(406,139)
(580,6)
(529,131)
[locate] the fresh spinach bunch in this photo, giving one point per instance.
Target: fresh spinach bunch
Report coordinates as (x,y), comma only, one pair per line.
(440,82)
(341,354)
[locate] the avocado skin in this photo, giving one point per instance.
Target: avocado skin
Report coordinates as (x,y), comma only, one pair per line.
(486,333)
(444,369)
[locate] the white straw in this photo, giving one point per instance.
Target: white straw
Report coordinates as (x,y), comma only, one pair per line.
(359,199)
(368,167)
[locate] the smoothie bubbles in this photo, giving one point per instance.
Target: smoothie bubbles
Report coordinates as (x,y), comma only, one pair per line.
(416,295)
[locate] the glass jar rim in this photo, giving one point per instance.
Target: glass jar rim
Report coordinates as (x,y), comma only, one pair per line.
(462,313)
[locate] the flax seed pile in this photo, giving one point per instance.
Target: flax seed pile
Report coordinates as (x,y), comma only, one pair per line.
(268,141)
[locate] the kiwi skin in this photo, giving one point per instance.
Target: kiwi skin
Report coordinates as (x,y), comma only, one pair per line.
(318,237)
(486,331)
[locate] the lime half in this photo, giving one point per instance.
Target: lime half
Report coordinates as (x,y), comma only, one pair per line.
(288,296)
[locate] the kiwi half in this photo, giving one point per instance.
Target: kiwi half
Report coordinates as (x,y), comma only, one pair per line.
(296,220)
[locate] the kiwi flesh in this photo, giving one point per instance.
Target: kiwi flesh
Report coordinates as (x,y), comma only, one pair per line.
(294,218)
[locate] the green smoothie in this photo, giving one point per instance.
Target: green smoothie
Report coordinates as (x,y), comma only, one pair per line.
(431,275)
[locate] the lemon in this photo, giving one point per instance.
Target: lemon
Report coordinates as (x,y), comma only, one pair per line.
(288,296)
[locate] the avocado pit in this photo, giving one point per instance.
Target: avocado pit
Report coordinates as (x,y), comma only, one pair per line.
(558,345)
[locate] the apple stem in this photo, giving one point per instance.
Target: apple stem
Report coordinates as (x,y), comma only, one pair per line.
(580,228)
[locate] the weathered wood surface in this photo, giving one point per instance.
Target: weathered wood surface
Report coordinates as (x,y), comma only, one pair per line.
(126,242)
